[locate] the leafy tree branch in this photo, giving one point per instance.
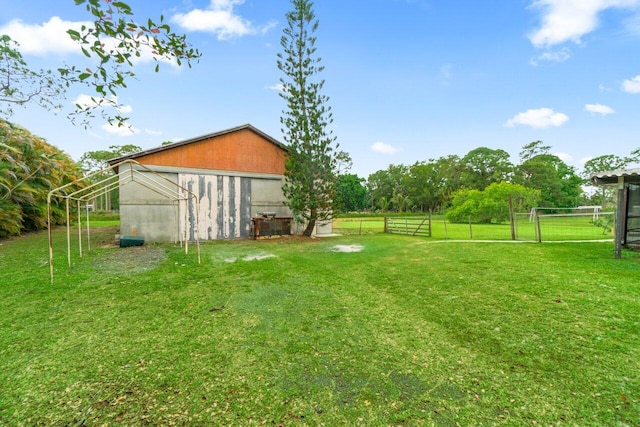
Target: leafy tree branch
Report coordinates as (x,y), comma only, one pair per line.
(114,43)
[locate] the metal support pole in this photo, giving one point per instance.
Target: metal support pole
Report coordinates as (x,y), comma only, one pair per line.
(50,237)
(68,235)
(79,227)
(620,218)
(88,230)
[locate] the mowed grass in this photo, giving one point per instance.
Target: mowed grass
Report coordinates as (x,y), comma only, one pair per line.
(313,332)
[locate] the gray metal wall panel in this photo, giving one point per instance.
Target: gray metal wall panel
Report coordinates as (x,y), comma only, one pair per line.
(191,214)
(224,207)
(245,208)
(219,208)
(232,212)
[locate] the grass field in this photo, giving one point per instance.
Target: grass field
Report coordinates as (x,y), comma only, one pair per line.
(371,330)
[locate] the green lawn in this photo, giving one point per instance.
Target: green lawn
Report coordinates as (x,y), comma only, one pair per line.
(294,332)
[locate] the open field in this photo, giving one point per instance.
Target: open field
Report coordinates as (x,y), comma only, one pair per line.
(359,330)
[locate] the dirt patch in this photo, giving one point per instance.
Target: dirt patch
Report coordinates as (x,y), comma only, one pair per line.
(132,259)
(347,248)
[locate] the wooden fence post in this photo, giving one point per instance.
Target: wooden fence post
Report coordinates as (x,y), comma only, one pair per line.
(512,218)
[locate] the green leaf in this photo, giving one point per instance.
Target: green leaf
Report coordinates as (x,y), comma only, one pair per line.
(73,34)
(123,7)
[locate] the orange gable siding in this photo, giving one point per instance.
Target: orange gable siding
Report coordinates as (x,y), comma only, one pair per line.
(242,151)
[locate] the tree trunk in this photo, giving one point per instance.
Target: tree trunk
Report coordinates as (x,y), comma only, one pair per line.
(310,226)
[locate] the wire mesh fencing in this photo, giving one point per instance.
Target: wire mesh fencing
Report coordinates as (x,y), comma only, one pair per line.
(523,227)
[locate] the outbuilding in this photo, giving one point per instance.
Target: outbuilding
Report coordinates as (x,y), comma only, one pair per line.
(236,174)
(627,183)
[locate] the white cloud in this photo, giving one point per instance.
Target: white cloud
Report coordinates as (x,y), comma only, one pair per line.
(49,37)
(632,85)
(220,19)
(124,130)
(278,87)
(124,109)
(561,55)
(570,20)
(381,147)
(599,109)
(153,132)
(567,158)
(540,118)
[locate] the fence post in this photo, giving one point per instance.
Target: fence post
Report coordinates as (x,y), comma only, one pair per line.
(385,224)
(446,234)
(538,229)
(512,218)
(621,215)
(430,223)
(470,228)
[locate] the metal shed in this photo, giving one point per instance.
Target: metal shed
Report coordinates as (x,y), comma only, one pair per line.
(627,183)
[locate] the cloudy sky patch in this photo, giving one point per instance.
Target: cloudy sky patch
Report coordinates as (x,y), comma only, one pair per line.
(539,119)
(603,110)
(381,147)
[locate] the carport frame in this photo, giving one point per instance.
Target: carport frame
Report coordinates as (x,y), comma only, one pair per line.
(122,176)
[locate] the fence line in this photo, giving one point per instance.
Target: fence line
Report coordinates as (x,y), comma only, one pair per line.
(544,228)
(413,226)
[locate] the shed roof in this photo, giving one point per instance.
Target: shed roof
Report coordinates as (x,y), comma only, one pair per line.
(611,177)
(198,139)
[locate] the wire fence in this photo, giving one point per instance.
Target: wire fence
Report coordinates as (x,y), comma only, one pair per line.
(524,227)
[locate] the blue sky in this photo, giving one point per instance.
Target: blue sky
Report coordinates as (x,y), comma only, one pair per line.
(408,80)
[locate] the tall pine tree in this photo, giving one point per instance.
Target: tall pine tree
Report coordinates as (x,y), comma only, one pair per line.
(312,165)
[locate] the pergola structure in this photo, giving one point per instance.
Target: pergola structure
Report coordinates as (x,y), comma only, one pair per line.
(627,183)
(117,175)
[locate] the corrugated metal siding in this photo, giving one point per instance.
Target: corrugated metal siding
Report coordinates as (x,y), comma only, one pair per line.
(224,204)
(611,177)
